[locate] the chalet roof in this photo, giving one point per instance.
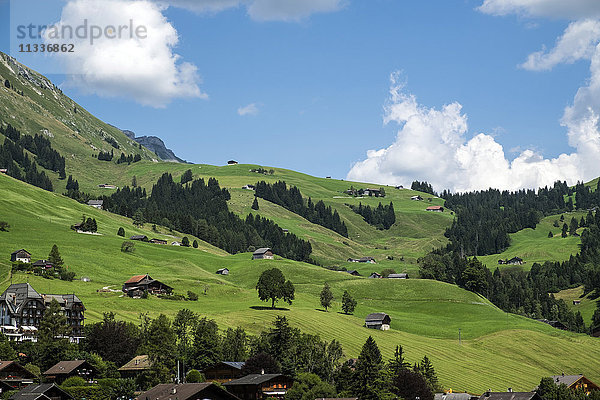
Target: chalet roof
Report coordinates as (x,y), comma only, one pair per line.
(65,367)
(261,251)
(568,380)
(184,391)
(65,300)
(138,363)
(24,372)
(398,276)
(33,392)
(138,237)
(95,202)
(253,379)
(41,263)
(452,396)
(17,295)
(510,396)
(20,250)
(431,208)
(137,278)
(235,364)
(378,318)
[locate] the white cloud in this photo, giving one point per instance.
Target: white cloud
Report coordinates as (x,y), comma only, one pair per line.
(262,10)
(250,109)
(145,69)
(578,42)
(563,9)
(431,145)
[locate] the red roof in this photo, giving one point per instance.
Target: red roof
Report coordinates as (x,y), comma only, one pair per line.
(136,279)
(435,208)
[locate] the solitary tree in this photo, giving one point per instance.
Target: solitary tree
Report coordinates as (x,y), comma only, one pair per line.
(121,232)
(573,226)
(55,258)
(565,229)
(187,177)
(255,204)
(348,303)
(195,244)
(326,296)
(185,241)
(134,181)
(127,247)
(272,286)
(550,234)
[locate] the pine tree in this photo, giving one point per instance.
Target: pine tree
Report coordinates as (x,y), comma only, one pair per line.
(195,244)
(398,363)
(138,218)
(565,229)
(134,181)
(573,227)
(121,232)
(185,241)
(550,234)
(55,258)
(368,384)
(326,296)
(348,303)
(255,204)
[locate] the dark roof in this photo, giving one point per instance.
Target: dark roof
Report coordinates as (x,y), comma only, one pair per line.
(354,272)
(398,276)
(185,391)
(253,379)
(18,294)
(95,202)
(137,363)
(33,392)
(41,263)
(568,380)
(262,250)
(510,396)
(24,372)
(452,396)
(138,237)
(18,251)
(378,318)
(235,364)
(65,367)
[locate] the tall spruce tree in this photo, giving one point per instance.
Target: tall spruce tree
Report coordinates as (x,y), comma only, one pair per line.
(55,258)
(368,383)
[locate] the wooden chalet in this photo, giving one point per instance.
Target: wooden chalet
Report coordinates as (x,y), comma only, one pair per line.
(379,321)
(223,271)
(369,260)
(575,382)
(186,391)
(264,253)
(416,198)
(138,284)
(224,371)
(141,238)
(44,391)
(135,366)
(99,204)
(66,369)
(15,375)
(435,209)
(44,264)
(21,255)
(158,241)
(353,272)
(375,275)
(260,386)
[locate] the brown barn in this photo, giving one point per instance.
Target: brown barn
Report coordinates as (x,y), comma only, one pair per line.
(263,254)
(224,371)
(15,375)
(138,284)
(260,386)
(66,369)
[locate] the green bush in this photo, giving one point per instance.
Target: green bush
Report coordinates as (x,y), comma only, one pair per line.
(92,392)
(191,296)
(194,376)
(74,381)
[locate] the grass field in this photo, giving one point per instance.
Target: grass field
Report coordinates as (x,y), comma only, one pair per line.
(497,351)
(587,305)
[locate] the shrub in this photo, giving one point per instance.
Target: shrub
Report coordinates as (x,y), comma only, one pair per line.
(185,241)
(192,296)
(195,244)
(121,232)
(127,247)
(67,275)
(74,381)
(4,226)
(194,376)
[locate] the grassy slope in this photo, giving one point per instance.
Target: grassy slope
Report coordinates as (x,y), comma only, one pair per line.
(498,350)
(587,306)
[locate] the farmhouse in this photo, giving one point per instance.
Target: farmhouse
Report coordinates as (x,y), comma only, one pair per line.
(398,276)
(3,171)
(42,392)
(20,255)
(137,285)
(435,209)
(575,382)
(66,369)
(454,396)
(96,204)
(15,375)
(510,395)
(22,308)
(369,260)
(263,253)
(223,271)
(260,386)
(135,366)
(354,272)
(224,371)
(373,192)
(375,275)
(416,198)
(158,241)
(45,264)
(107,186)
(249,187)
(379,321)
(232,162)
(186,391)
(142,238)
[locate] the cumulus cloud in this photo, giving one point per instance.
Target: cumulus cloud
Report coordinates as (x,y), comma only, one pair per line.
(577,43)
(250,109)
(569,9)
(262,10)
(143,67)
(432,145)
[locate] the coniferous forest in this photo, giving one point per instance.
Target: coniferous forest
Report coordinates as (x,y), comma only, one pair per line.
(382,217)
(292,200)
(200,208)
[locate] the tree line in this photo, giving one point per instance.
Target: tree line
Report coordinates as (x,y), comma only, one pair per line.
(129,159)
(200,208)
(422,187)
(292,200)
(382,217)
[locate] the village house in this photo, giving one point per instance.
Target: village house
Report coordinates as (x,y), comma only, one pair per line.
(138,284)
(99,204)
(416,198)
(158,241)
(186,391)
(510,395)
(223,271)
(435,209)
(263,253)
(375,275)
(398,276)
(353,272)
(260,386)
(22,309)
(379,321)
(224,371)
(3,171)
(135,366)
(232,162)
(66,369)
(141,238)
(14,375)
(20,255)
(107,186)
(44,264)
(373,193)
(249,187)
(369,260)
(42,391)
(575,382)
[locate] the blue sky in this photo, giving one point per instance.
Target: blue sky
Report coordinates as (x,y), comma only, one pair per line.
(319,84)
